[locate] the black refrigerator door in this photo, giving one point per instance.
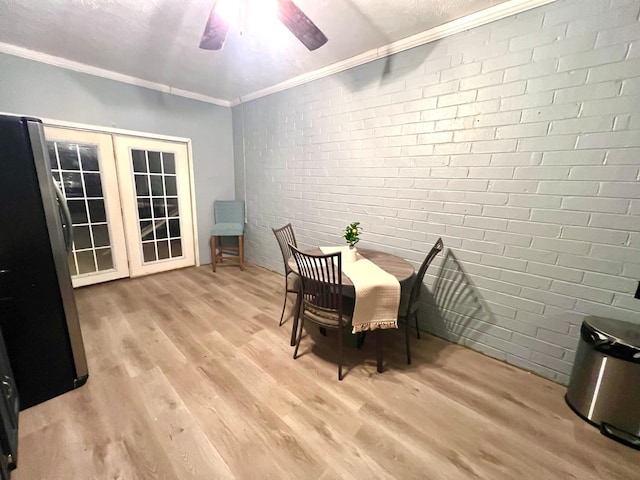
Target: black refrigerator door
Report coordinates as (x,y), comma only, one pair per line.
(9,407)
(32,314)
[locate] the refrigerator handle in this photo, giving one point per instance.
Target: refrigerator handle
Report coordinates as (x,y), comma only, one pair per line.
(66,217)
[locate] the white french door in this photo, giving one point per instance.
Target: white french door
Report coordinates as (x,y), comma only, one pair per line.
(130,203)
(83,166)
(156,199)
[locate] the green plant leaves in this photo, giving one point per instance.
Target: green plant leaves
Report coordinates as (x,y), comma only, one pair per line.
(352,232)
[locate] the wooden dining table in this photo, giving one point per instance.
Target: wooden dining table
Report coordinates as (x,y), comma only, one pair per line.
(392,264)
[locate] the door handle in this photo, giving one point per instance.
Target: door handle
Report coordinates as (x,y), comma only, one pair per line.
(7,387)
(66,217)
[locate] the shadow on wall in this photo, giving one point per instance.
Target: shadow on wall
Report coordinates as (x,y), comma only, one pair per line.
(453,308)
(388,69)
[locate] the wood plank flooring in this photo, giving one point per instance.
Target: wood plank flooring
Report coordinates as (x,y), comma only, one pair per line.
(191,378)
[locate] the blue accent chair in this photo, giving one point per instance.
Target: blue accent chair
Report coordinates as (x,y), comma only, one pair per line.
(229,222)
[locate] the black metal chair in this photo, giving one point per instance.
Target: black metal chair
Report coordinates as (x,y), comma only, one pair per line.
(409,309)
(322,299)
(285,237)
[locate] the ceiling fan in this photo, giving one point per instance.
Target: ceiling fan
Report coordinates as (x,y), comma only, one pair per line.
(217,27)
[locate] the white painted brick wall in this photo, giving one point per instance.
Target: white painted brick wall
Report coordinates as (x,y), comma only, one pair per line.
(518,142)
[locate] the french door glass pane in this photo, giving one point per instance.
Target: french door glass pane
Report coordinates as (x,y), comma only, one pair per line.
(76,170)
(156,196)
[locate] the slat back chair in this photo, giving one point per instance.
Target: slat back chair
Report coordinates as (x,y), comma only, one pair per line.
(322,301)
(285,237)
(414,298)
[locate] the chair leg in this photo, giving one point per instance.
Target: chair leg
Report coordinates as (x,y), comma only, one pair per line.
(214,258)
(340,333)
(295,352)
(406,334)
(286,294)
(417,327)
(297,308)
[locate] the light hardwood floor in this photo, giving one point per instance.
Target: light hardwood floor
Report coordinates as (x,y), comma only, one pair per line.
(191,378)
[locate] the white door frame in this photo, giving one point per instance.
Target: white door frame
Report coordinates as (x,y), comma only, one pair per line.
(123,147)
(133,133)
(111,196)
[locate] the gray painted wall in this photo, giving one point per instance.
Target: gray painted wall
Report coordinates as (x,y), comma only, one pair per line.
(37,89)
(517,142)
(238,149)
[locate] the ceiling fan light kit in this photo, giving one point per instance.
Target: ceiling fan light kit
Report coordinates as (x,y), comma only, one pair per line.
(223,13)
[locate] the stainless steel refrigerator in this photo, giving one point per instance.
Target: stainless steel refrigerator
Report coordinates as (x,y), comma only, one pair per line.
(38,315)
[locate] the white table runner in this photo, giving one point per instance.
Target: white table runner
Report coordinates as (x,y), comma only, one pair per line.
(377,293)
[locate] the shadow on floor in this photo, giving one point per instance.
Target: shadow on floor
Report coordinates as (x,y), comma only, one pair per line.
(452,310)
(427,349)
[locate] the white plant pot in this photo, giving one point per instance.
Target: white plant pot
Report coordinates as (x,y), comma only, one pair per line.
(350,255)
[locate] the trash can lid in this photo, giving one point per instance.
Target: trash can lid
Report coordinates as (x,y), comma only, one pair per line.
(615,337)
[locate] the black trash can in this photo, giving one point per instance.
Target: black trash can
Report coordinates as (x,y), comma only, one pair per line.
(605,381)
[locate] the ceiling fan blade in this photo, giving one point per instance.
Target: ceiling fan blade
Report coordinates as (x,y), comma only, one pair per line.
(215,31)
(300,25)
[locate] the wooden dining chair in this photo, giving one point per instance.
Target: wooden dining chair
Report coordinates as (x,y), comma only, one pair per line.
(322,300)
(409,309)
(285,237)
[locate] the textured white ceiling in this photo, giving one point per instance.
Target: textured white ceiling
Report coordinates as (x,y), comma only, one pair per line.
(157,40)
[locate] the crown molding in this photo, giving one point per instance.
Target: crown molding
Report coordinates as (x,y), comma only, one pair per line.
(101,72)
(497,12)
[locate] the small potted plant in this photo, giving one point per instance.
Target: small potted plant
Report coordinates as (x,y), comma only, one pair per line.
(352,236)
